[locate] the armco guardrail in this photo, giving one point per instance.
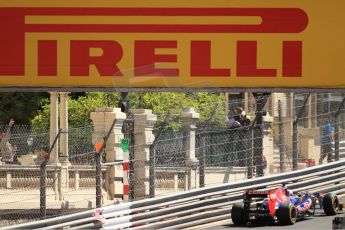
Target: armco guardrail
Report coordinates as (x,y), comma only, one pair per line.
(194,207)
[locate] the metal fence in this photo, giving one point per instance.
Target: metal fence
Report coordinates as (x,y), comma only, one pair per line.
(27,141)
(169,149)
(223,147)
(21,178)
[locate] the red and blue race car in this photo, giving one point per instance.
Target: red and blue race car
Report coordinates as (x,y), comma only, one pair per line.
(281,205)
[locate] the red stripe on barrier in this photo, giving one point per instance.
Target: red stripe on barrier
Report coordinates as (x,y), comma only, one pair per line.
(125,166)
(125,189)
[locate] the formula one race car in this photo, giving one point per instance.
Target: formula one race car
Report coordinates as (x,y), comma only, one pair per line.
(281,205)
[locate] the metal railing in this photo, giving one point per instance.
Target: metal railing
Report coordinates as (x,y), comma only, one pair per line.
(195,207)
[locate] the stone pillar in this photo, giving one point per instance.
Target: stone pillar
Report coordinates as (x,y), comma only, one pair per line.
(64,127)
(64,176)
(189,119)
(54,117)
(143,138)
(102,120)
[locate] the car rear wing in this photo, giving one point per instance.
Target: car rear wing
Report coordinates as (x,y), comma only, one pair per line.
(256,194)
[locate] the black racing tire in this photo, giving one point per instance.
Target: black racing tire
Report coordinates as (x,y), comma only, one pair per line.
(238,215)
(286,214)
(330,204)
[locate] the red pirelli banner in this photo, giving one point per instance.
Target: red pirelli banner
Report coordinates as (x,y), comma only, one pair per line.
(172,44)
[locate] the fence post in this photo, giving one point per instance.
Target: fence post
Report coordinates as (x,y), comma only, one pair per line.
(294,145)
(43,178)
(144,121)
(43,185)
(189,119)
(281,138)
(202,160)
(295,133)
(250,165)
(337,130)
(258,136)
(336,138)
(98,161)
(152,171)
(261,99)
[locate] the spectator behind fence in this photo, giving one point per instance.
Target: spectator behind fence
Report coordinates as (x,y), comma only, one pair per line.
(241,117)
(232,121)
(7,150)
(327,140)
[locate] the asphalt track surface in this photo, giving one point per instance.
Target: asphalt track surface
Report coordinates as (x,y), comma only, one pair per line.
(318,222)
